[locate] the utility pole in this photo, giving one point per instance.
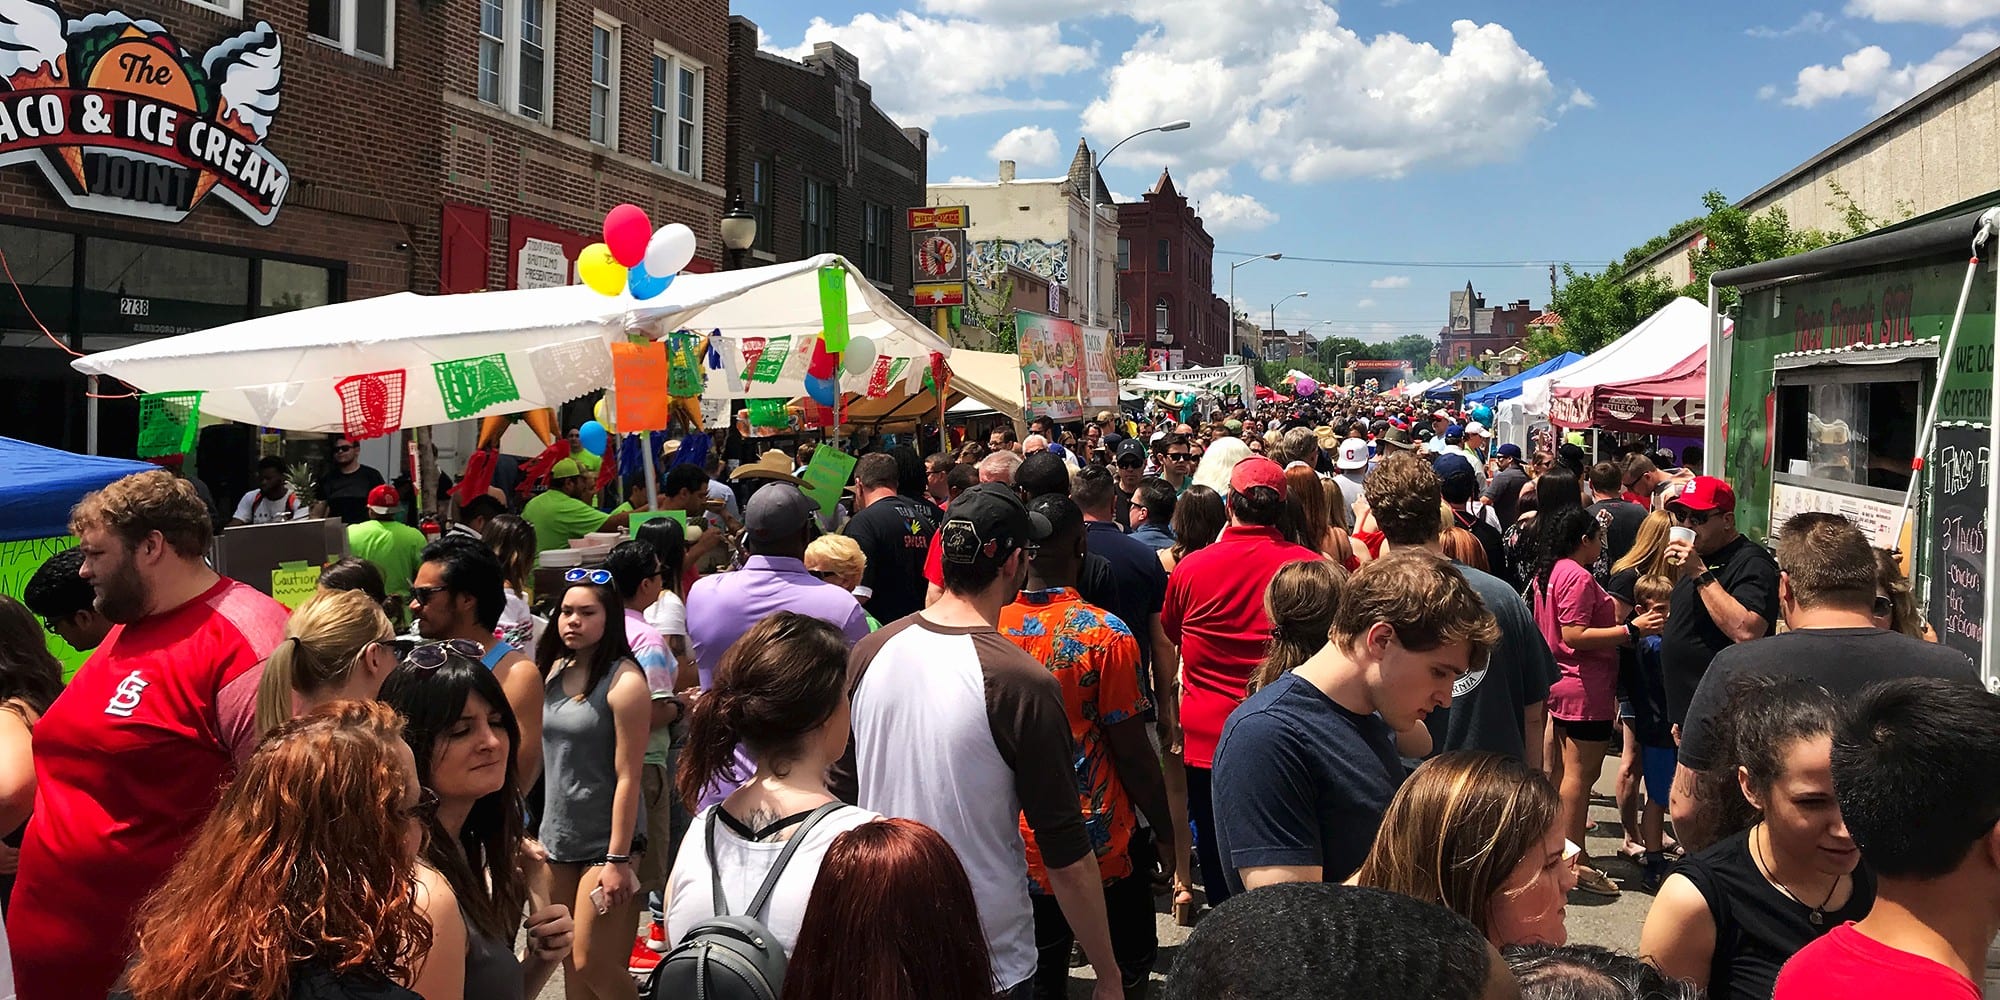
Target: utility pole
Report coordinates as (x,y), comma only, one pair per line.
(1552,284)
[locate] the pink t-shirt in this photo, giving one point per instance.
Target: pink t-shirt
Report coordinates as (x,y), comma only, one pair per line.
(1588,688)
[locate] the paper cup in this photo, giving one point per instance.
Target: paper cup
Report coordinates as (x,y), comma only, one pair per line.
(1679,533)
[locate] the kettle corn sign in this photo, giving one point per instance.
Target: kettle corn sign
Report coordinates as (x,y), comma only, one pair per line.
(123,120)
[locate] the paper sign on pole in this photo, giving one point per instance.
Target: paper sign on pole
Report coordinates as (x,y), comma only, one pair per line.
(293,583)
(825,475)
(1100,369)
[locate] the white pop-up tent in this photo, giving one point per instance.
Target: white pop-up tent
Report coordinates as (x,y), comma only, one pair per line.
(282,371)
(1658,343)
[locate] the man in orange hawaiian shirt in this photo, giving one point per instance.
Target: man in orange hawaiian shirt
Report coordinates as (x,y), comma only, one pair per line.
(1096,658)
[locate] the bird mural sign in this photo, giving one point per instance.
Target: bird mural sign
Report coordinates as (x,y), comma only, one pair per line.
(121,119)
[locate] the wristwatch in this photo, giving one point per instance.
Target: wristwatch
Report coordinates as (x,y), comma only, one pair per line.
(1704,578)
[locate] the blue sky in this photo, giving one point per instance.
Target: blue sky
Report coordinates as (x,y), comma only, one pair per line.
(1411,130)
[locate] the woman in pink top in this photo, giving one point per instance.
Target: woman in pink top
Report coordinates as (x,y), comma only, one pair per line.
(1581,624)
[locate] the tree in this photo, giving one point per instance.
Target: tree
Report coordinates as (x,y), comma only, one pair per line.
(1597,308)
(990,311)
(1129,362)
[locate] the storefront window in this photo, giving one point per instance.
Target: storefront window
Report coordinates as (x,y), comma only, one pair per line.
(134,292)
(285,286)
(1848,424)
(41,266)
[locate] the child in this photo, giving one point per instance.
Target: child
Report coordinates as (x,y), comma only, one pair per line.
(1650,724)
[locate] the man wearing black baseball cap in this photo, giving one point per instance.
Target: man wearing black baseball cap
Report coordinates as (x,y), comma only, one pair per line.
(957,728)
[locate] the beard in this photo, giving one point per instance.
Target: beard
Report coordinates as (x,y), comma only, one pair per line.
(121,594)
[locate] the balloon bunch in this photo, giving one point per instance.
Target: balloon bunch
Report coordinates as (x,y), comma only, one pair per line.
(596,435)
(822,374)
(633,257)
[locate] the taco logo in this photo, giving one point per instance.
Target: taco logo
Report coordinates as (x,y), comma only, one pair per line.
(122,119)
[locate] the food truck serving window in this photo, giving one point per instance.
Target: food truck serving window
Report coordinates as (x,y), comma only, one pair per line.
(1854,424)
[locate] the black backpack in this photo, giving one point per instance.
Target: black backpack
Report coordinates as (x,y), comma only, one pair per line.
(731,957)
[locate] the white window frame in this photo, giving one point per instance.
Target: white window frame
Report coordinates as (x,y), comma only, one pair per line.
(233,8)
(615,41)
(510,60)
(500,59)
(349,15)
(667,143)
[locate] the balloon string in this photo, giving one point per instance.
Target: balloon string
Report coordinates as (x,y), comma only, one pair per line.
(22,294)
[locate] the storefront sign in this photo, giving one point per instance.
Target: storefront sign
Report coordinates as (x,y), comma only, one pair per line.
(541,264)
(123,120)
(1875,519)
(1051,354)
(1957,564)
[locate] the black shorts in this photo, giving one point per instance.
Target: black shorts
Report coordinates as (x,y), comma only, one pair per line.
(1587,732)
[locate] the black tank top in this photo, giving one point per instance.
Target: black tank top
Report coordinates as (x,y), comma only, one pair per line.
(1758,927)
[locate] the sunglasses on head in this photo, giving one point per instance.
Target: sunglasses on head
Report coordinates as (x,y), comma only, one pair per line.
(432,655)
(601,577)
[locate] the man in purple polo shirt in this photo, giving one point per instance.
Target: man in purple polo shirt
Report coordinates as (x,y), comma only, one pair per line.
(778,522)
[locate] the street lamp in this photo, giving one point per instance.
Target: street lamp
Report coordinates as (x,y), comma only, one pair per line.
(1274,255)
(739,230)
(1274,310)
(1338,372)
(1097,164)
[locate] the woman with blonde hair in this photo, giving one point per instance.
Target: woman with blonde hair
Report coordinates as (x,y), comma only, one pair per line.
(1646,557)
(1896,601)
(302,882)
(336,648)
(1479,834)
(1300,601)
(838,560)
(1217,462)
(1461,545)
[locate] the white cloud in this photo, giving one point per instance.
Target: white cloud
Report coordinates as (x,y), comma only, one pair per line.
(1871,73)
(1578,99)
(1365,304)
(924,69)
(1282,86)
(1221,210)
(1952,13)
(1767,92)
(1028,146)
(1391,281)
(1024,10)
(962,179)
(1813,22)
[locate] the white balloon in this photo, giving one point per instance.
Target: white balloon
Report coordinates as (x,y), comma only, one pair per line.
(669,250)
(859,356)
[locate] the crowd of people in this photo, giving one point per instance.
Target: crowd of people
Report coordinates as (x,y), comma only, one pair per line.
(1331,683)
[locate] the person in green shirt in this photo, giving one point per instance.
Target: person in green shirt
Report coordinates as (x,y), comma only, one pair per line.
(560,514)
(393,547)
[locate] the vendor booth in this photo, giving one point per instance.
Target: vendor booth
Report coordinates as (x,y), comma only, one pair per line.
(981,383)
(1658,343)
(1672,403)
(1232,385)
(1510,387)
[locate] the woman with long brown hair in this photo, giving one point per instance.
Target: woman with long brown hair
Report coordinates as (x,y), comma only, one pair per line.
(1199,517)
(1300,601)
(1340,542)
(1479,834)
(891,917)
(512,540)
(30,679)
(301,883)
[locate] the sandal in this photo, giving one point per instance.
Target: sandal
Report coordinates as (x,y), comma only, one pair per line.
(1185,908)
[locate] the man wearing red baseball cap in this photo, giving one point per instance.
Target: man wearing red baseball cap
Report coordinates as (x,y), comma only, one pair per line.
(1214,615)
(394,547)
(1726,591)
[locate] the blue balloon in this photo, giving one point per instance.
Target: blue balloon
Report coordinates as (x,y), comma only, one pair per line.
(1483,414)
(822,390)
(641,283)
(593,437)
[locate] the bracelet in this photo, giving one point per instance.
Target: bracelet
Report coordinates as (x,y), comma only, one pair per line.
(1632,632)
(618,859)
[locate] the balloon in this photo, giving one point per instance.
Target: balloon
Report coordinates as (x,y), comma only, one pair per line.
(594,437)
(824,362)
(1305,387)
(626,230)
(643,285)
(1482,413)
(821,390)
(859,356)
(603,415)
(600,270)
(669,250)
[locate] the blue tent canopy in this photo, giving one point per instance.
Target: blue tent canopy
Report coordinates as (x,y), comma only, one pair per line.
(1512,387)
(1449,387)
(42,484)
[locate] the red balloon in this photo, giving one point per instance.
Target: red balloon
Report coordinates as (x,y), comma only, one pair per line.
(626,230)
(823,361)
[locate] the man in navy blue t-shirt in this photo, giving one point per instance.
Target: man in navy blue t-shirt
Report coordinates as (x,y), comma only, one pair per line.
(1306,766)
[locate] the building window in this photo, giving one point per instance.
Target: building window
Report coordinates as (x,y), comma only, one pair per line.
(1162,313)
(1124,317)
(678,84)
(514,66)
(604,81)
(1124,255)
(365,28)
(760,200)
(492,48)
(1164,252)
(533,65)
(234,8)
(877,227)
(816,219)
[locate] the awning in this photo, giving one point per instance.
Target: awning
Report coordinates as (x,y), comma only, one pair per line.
(992,379)
(42,484)
(1511,387)
(1646,351)
(1674,402)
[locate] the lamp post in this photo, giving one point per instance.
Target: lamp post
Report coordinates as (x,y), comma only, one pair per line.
(1096,164)
(1274,255)
(1338,373)
(739,231)
(1274,311)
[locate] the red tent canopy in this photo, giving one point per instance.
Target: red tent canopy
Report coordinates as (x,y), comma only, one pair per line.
(1672,402)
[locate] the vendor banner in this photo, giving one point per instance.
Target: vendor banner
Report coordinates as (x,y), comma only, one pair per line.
(1100,369)
(1051,366)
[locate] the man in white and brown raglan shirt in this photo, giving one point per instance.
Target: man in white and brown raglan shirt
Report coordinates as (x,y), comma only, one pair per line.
(957,728)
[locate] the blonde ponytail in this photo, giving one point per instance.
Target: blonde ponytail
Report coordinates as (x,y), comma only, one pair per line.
(325,637)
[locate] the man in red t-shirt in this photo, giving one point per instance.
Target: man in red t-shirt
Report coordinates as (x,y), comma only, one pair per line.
(1214,614)
(1918,777)
(130,759)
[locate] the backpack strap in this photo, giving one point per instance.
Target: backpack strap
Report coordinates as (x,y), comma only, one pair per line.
(777,868)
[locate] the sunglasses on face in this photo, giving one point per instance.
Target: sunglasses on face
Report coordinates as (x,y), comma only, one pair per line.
(432,655)
(426,808)
(49,626)
(1179,456)
(1693,518)
(1884,607)
(822,574)
(421,596)
(1132,463)
(337,449)
(601,577)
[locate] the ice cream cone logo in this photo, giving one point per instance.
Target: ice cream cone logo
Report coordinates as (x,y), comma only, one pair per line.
(122,119)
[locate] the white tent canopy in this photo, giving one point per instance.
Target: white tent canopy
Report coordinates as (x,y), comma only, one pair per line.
(1659,342)
(281,371)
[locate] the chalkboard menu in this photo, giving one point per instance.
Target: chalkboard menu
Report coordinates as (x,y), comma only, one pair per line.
(1958,537)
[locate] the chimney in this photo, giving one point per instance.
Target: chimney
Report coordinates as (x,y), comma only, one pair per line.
(1006,171)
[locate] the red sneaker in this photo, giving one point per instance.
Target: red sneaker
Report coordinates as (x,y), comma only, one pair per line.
(643,958)
(656,936)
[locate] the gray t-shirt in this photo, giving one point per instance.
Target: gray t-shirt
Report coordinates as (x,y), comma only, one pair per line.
(1486,704)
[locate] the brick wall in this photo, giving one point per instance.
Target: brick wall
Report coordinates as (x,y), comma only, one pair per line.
(1198,320)
(793,116)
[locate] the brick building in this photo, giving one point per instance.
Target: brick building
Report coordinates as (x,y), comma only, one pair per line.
(820,165)
(346,150)
(1473,328)
(1166,276)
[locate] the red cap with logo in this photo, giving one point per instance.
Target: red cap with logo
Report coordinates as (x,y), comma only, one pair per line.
(1257,471)
(384,499)
(1705,493)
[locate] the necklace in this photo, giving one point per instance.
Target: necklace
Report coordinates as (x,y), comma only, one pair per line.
(1818,915)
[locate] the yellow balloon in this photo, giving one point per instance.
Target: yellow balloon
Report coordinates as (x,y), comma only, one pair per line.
(600,270)
(603,416)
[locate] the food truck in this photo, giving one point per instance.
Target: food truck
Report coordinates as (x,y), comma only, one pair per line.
(1858,379)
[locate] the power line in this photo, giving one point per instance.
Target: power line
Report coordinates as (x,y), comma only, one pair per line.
(1405,263)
